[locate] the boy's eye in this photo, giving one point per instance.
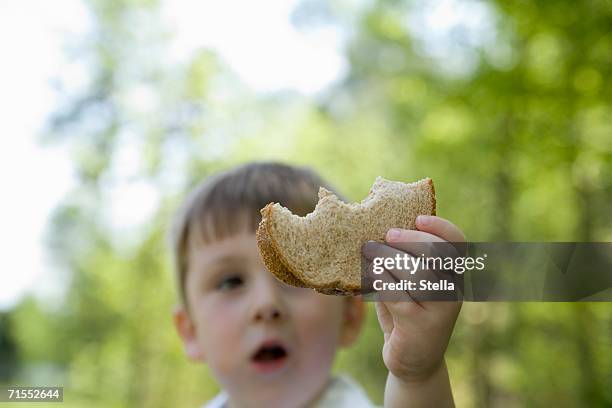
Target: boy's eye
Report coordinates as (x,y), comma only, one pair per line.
(229,282)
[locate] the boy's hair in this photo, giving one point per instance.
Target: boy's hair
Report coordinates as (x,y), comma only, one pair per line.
(230,202)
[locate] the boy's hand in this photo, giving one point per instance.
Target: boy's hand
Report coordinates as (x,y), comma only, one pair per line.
(416,333)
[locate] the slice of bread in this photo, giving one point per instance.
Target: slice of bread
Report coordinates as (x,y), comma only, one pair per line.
(322,250)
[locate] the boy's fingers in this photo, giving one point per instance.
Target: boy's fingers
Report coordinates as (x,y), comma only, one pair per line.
(430,238)
(406,235)
(384,318)
(420,243)
(441,227)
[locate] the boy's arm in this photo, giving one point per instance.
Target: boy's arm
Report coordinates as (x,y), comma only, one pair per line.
(417,332)
(434,391)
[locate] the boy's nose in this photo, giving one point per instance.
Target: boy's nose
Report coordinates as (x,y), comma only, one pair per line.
(268,313)
(269,303)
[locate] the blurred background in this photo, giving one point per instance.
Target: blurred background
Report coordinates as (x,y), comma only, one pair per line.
(112,110)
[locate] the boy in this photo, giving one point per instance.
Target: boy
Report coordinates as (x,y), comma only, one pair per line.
(272,345)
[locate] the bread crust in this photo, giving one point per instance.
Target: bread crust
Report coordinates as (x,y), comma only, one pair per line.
(270,255)
(433,196)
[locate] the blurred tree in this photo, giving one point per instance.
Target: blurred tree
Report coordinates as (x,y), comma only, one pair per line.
(114,326)
(9,358)
(516,135)
(508,138)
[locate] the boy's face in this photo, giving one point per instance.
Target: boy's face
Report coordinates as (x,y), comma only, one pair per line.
(267,343)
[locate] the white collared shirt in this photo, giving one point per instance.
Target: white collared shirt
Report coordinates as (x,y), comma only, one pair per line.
(342,391)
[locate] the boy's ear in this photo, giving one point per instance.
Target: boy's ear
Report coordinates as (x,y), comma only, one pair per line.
(187,332)
(354,315)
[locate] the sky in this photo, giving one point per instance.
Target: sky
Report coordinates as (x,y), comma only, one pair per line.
(33,33)
(33,179)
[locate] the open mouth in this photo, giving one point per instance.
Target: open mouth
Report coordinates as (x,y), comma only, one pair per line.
(270,353)
(270,357)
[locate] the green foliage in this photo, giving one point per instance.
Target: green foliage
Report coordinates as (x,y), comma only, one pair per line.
(519,149)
